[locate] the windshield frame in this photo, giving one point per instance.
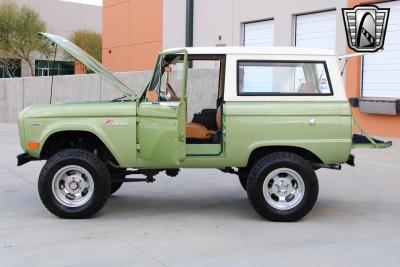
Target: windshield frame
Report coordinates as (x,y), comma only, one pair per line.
(158,72)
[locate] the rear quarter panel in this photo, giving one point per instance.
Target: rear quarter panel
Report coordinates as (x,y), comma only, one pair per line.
(256,121)
(250,125)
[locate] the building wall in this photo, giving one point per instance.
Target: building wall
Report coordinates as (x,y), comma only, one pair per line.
(19,93)
(174,23)
(63,18)
(225,18)
(132,33)
(375,124)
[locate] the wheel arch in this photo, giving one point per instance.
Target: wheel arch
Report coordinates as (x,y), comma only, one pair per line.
(84,139)
(261,151)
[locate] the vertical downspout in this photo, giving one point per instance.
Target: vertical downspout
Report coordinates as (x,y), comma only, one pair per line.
(189,23)
(189,26)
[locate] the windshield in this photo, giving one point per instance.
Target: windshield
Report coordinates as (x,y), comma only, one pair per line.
(166,83)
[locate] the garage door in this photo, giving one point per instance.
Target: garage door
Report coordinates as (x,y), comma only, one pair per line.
(260,33)
(316,30)
(381,70)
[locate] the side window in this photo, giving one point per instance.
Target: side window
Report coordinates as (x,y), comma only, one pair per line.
(203,84)
(282,78)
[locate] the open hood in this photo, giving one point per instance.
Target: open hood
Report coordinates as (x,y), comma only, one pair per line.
(90,63)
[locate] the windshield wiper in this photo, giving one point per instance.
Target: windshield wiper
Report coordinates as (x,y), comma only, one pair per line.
(118,98)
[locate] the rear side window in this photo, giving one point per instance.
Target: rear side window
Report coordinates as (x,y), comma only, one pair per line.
(263,78)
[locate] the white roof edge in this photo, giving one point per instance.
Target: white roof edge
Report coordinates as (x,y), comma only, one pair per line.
(276,50)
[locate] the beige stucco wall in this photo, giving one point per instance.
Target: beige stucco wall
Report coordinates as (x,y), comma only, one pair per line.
(174,20)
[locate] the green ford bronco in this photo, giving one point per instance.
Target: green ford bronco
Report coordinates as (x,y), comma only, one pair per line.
(276,115)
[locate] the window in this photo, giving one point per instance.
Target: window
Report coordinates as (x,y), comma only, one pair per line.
(283,78)
(207,72)
(205,81)
(381,70)
(316,30)
(259,33)
(10,68)
(49,67)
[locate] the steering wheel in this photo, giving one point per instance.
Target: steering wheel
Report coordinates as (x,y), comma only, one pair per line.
(170,90)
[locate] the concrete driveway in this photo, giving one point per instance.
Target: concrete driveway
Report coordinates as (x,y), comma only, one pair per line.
(203,218)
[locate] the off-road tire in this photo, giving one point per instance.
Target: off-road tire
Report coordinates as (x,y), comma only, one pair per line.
(243,182)
(115,187)
(116,174)
(259,173)
(86,160)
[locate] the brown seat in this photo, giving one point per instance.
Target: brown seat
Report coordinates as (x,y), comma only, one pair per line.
(196,130)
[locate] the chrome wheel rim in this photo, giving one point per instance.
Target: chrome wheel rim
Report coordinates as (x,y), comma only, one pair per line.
(283,188)
(73,186)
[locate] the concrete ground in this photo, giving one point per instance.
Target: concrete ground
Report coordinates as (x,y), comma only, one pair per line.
(203,218)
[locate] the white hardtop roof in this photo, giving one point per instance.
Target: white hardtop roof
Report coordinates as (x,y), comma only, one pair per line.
(241,50)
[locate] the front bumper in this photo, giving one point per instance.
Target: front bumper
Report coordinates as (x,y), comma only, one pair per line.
(24,158)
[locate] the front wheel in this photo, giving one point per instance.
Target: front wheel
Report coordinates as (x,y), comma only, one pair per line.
(282,187)
(117,175)
(74,184)
(115,187)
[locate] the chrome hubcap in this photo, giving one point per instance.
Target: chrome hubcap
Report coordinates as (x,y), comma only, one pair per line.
(283,188)
(73,186)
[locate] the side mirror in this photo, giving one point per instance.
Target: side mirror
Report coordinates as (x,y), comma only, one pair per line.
(152,96)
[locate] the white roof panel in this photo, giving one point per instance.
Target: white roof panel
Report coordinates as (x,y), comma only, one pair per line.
(240,50)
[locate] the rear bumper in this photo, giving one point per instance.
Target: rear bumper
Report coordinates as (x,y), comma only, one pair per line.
(24,158)
(360,141)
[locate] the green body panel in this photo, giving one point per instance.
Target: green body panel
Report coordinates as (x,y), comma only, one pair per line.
(247,126)
(161,143)
(250,125)
(204,162)
(203,149)
(204,156)
(41,121)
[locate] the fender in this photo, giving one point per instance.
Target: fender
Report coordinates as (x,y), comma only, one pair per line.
(115,137)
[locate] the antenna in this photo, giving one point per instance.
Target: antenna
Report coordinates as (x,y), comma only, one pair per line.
(52,75)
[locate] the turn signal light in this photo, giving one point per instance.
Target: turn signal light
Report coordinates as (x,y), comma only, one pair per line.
(33,145)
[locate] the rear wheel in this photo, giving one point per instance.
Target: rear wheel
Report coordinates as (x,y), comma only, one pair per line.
(74,183)
(282,187)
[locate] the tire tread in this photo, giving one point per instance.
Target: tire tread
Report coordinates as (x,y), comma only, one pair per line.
(81,155)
